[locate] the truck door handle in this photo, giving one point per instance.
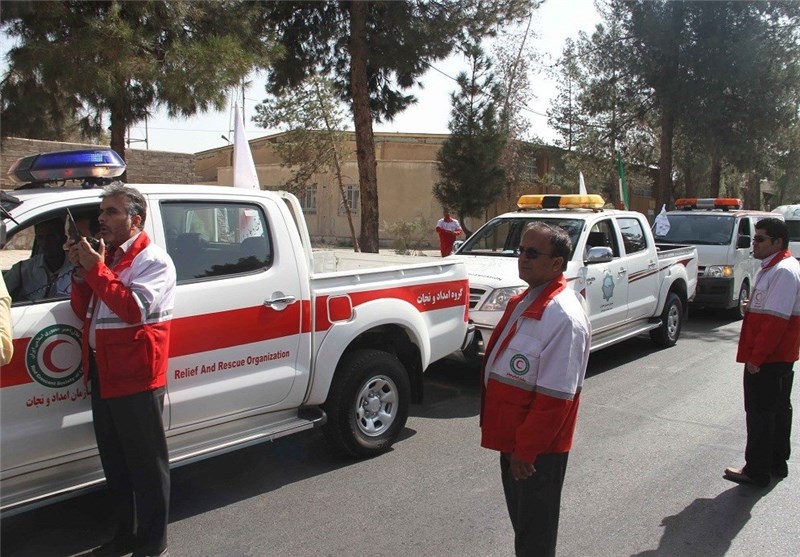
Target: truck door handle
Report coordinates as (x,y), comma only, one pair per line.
(621,272)
(652,265)
(280,301)
(589,280)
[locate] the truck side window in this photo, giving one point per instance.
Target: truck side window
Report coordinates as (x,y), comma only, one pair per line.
(632,235)
(34,262)
(216,240)
(602,235)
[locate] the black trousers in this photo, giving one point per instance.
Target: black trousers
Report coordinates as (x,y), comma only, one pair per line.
(133,449)
(534,504)
(767,403)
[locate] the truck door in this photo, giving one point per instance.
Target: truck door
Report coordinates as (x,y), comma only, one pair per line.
(45,408)
(238,308)
(606,289)
(639,268)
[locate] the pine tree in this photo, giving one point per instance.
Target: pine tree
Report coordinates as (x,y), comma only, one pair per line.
(469,162)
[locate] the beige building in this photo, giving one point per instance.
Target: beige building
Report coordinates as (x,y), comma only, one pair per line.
(407,172)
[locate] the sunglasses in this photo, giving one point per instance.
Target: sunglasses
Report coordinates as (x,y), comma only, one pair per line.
(532,253)
(759,238)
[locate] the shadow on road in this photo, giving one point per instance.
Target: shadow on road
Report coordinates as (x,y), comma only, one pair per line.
(75,526)
(452,390)
(707,526)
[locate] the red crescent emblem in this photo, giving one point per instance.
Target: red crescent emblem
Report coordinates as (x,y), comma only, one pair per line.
(47,356)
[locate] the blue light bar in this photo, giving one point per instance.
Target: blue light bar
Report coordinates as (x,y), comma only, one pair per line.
(67,165)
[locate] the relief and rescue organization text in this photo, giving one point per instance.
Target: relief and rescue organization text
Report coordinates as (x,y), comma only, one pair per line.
(228,365)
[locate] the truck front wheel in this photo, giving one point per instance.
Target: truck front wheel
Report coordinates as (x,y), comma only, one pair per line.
(367,405)
(671,322)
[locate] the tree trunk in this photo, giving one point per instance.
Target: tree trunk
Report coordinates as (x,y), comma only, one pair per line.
(118,125)
(716,175)
(688,174)
(664,189)
(362,116)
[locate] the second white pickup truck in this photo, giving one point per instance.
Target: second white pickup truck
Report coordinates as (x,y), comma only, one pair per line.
(631,284)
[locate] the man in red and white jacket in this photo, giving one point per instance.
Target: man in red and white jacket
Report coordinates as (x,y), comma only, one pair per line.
(769,344)
(125,294)
(532,378)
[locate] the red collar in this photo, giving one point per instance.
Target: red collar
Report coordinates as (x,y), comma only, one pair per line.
(536,309)
(141,242)
(778,257)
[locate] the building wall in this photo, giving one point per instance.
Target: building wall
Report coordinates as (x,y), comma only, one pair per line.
(144,167)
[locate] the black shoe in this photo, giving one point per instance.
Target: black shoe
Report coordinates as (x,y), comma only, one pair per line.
(116,547)
(780,470)
(738,476)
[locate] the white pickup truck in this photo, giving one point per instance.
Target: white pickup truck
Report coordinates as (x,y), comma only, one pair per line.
(262,344)
(631,284)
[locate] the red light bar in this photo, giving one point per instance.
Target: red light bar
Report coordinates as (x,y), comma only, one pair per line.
(724,203)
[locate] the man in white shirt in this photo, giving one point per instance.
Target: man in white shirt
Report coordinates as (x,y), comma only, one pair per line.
(448,229)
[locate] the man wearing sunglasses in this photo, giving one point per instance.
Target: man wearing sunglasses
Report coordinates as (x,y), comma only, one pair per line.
(532,377)
(769,344)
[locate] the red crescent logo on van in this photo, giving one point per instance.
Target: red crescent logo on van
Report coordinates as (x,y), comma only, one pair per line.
(53,357)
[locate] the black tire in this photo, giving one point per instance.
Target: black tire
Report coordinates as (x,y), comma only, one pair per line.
(744,293)
(368,402)
(671,322)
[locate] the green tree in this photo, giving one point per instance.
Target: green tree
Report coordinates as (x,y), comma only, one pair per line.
(374,51)
(313,117)
(565,114)
(469,161)
(745,59)
(121,59)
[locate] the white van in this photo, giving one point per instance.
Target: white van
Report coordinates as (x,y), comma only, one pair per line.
(791,214)
(723,233)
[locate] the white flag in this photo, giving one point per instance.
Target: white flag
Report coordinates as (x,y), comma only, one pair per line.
(245,176)
(662,222)
(581,184)
(244,169)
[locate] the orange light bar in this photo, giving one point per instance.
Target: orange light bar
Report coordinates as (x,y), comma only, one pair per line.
(724,203)
(572,201)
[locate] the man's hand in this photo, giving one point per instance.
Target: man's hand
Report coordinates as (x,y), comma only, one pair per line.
(752,368)
(84,257)
(520,470)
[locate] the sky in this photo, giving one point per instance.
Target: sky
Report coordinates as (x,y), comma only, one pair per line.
(553,23)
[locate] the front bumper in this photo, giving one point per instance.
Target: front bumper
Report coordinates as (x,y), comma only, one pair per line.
(715,293)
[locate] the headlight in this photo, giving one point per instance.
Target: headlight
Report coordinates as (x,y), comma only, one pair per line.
(498,300)
(719,271)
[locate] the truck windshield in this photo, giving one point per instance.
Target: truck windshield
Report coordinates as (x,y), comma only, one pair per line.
(501,237)
(710,229)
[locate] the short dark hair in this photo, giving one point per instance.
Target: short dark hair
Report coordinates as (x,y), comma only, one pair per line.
(775,229)
(134,200)
(560,242)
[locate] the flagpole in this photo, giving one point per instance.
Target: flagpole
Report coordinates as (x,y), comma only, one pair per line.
(624,201)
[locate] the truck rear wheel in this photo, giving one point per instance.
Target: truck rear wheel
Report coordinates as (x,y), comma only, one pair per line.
(368,402)
(671,322)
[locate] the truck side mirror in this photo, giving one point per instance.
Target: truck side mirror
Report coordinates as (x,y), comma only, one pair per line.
(743,242)
(600,254)
(457,244)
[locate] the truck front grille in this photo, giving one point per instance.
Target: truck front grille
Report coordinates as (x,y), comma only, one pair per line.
(475,297)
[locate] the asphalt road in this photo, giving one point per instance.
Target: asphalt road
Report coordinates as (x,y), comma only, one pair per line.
(655,430)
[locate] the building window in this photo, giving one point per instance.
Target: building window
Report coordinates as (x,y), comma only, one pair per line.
(309,199)
(352,193)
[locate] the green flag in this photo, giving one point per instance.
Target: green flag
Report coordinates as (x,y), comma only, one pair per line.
(623,187)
